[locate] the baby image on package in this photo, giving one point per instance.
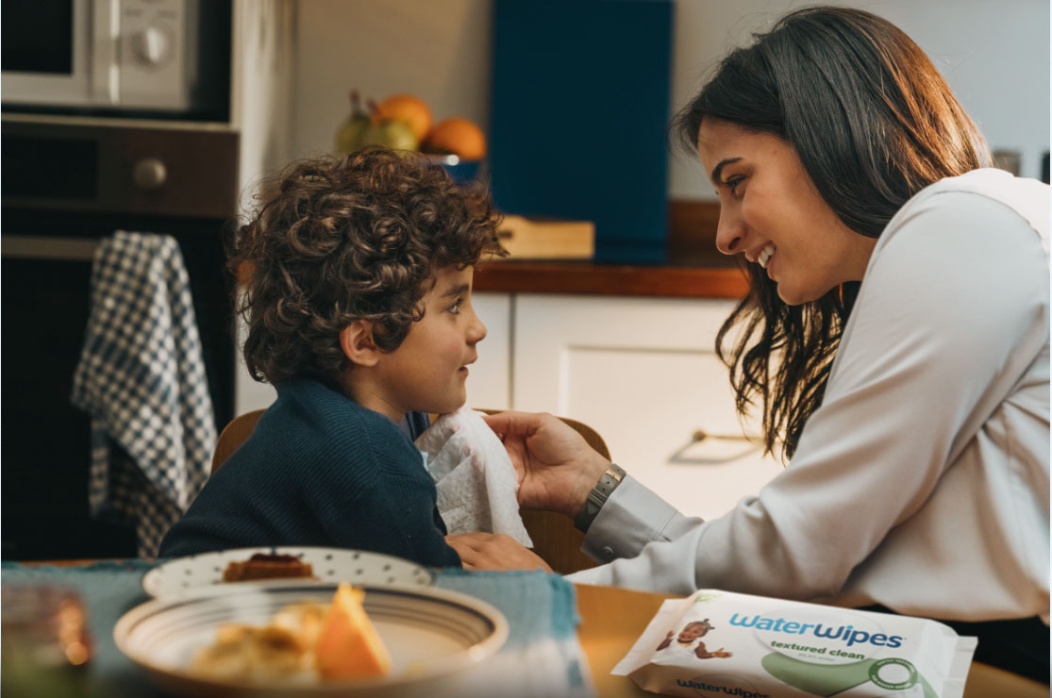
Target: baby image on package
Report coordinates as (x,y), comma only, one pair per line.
(716,643)
(689,640)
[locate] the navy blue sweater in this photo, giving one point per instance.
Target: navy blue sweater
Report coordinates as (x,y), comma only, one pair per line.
(319,469)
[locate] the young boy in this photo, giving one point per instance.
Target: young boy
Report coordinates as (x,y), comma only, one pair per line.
(358,305)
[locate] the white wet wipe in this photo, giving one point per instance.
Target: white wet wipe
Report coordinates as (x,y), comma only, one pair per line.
(717,644)
(476,482)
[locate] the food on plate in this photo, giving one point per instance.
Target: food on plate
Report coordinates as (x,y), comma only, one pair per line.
(348,646)
(267,566)
(302,642)
(245,652)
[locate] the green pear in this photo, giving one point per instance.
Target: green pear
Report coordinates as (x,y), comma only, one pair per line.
(391,133)
(349,135)
(397,135)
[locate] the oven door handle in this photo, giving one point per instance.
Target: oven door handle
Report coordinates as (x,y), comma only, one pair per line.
(54,248)
(105,80)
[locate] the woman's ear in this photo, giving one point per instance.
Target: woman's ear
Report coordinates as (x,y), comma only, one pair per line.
(356,341)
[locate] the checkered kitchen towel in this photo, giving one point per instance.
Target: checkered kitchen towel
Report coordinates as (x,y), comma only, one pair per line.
(142,379)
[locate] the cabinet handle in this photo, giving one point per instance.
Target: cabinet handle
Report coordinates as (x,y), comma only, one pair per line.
(684,456)
(149,173)
(701,435)
(45,247)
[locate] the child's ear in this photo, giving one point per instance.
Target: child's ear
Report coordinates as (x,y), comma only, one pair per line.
(358,345)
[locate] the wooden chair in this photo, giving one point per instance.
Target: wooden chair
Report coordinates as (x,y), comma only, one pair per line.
(555,539)
(233,435)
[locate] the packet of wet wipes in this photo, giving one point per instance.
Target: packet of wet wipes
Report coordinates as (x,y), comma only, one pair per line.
(715,644)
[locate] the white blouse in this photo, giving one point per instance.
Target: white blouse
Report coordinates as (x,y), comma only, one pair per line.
(922,482)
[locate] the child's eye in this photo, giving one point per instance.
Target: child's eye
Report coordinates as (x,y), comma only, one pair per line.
(455,308)
(733,183)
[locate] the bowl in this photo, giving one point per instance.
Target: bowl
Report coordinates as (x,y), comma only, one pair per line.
(462,172)
(434,636)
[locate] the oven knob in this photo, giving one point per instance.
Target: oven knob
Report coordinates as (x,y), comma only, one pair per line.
(152,45)
(149,173)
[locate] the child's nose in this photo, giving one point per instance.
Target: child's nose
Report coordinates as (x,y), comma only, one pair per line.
(477,331)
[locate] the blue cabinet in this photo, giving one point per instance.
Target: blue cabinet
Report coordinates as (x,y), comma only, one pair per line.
(580,110)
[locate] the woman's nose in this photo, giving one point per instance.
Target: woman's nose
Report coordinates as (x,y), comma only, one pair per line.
(729,233)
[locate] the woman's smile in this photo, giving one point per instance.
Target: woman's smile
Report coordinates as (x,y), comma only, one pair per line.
(765,255)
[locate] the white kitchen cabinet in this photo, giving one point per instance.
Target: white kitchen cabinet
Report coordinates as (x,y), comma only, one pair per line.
(489,380)
(644,374)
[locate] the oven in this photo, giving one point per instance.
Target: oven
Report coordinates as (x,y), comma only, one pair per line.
(118,57)
(65,186)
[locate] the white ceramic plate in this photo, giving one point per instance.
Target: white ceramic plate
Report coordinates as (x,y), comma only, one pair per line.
(331,565)
(431,634)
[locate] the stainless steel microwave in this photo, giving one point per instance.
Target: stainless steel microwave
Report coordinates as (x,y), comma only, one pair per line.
(117,56)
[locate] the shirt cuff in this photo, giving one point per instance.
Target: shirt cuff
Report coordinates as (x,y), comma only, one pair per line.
(631,518)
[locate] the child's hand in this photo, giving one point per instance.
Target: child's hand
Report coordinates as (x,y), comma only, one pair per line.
(489,551)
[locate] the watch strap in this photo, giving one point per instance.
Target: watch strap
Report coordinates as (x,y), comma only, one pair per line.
(598,496)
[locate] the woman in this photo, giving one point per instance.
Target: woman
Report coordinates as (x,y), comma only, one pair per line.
(896,337)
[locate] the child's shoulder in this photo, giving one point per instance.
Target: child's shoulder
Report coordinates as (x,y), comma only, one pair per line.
(326,412)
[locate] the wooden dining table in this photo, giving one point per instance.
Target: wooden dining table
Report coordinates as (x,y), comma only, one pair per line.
(612,619)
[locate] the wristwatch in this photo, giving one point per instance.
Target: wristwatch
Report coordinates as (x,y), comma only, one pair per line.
(598,496)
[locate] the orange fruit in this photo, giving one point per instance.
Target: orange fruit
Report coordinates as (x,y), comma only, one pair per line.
(348,646)
(459,137)
(408,109)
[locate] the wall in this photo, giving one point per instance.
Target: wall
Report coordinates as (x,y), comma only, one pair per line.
(995,55)
(438,50)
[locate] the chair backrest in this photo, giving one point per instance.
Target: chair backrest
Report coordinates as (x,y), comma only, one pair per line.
(555,539)
(233,435)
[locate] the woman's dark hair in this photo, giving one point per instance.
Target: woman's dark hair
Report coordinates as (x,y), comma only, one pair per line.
(873,123)
(338,240)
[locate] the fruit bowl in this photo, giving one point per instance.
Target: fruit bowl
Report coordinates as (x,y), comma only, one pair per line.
(461,171)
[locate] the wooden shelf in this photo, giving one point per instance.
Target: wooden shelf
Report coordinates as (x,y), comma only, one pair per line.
(599,279)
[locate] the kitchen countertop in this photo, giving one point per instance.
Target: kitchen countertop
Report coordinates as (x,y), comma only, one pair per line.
(695,269)
(684,279)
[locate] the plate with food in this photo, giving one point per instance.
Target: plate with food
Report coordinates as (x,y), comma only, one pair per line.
(311,640)
(281,564)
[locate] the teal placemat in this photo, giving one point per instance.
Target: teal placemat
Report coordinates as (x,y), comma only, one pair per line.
(536,604)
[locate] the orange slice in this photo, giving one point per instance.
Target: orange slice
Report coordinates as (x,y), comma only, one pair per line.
(348,646)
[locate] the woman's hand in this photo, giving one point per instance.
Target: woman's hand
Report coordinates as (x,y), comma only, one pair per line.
(489,551)
(556,466)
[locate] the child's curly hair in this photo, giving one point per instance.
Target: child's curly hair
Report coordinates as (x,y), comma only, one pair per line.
(338,240)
